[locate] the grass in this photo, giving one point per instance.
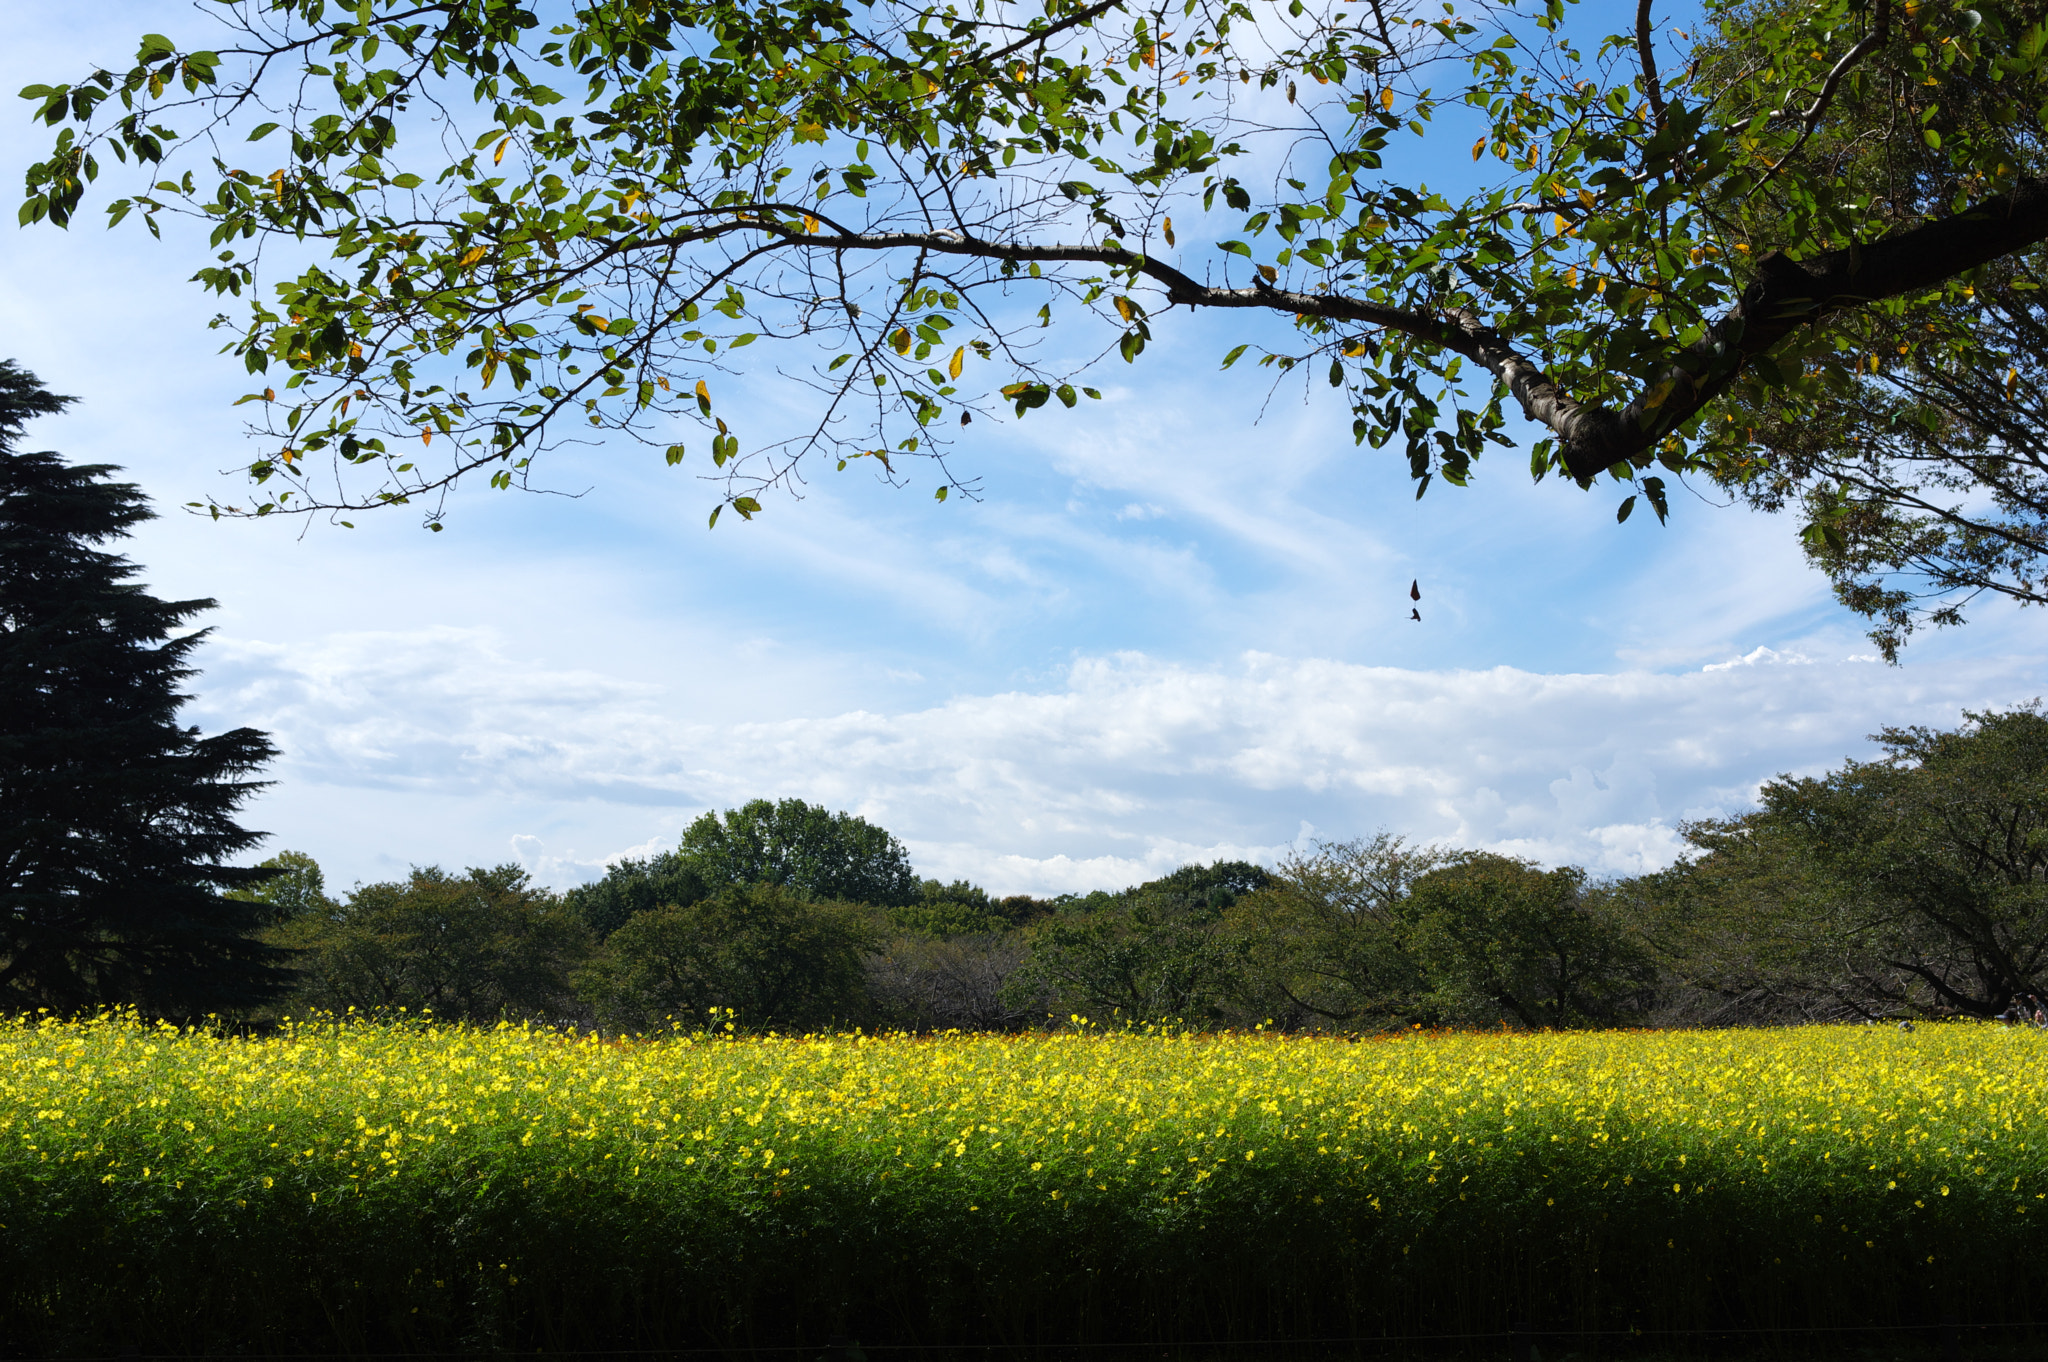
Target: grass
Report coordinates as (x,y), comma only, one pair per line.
(367,1187)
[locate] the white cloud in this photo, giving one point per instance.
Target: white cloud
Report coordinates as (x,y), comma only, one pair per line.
(1762,657)
(1127,768)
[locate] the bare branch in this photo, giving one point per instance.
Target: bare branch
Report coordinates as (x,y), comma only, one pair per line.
(1811,115)
(1037,36)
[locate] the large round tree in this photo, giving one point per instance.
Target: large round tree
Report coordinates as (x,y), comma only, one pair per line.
(115,820)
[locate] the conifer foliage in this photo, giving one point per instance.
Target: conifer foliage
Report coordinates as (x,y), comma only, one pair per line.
(115,820)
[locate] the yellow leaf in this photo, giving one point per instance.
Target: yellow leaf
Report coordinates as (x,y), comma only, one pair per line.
(1123,308)
(1479,148)
(810,224)
(1168,227)
(472,255)
(1387,98)
(426,437)
(900,342)
(498,156)
(1558,223)
(959,362)
(1271,275)
(1571,276)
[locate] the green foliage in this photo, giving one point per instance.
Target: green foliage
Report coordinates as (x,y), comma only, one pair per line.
(817,853)
(1911,436)
(1214,886)
(483,946)
(1914,883)
(295,889)
(1327,943)
(116,822)
(1500,941)
(667,879)
(760,956)
(943,910)
(804,847)
(1149,955)
(609,203)
(1374,933)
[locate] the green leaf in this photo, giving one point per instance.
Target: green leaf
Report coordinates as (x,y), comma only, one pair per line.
(1626,506)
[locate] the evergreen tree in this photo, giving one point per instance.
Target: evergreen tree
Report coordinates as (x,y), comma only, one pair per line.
(115,821)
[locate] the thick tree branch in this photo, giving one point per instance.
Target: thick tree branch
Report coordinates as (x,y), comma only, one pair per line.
(1646,52)
(1790,294)
(1787,295)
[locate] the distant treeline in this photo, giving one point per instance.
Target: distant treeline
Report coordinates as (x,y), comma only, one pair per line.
(1912,885)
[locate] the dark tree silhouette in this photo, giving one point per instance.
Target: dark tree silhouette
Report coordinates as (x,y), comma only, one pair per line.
(115,821)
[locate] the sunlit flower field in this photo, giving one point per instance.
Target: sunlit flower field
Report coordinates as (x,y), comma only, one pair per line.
(369,1186)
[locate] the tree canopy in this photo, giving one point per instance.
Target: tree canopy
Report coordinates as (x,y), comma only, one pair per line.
(805,847)
(484,946)
(816,852)
(1915,883)
(460,229)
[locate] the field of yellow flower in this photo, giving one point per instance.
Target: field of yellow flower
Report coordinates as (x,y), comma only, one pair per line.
(366,1186)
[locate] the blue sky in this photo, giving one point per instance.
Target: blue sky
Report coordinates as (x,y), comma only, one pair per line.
(1172,629)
